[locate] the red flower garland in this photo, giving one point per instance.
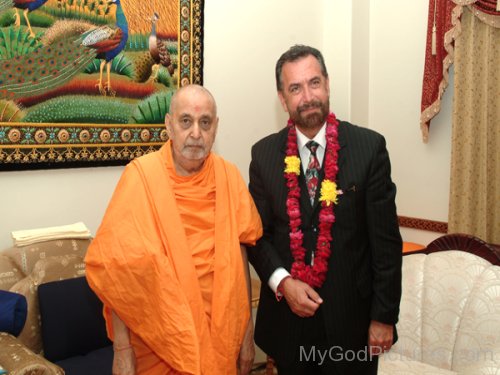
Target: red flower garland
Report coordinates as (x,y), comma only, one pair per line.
(313,275)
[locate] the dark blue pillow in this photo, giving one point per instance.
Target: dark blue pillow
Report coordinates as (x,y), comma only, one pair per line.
(13,311)
(71,319)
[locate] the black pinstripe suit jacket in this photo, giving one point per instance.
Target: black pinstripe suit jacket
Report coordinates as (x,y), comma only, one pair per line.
(364,276)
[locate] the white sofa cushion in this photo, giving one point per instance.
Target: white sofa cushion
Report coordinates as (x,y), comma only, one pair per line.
(396,364)
(450,312)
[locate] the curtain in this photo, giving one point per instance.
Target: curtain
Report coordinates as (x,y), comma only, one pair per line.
(475,161)
(443,26)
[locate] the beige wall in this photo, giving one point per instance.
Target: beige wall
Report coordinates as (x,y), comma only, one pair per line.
(375,60)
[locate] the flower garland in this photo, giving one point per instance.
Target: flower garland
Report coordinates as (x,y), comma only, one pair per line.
(315,274)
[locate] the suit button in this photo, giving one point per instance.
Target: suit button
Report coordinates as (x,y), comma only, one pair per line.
(315,229)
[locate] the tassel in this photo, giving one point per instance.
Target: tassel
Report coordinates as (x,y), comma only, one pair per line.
(434,29)
(434,40)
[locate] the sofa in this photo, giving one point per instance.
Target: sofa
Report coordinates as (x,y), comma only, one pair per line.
(449,320)
(56,270)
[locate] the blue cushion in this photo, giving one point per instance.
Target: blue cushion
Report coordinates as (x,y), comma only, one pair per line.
(97,362)
(71,319)
(13,311)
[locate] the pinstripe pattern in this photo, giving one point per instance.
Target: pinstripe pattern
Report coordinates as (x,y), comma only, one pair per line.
(364,277)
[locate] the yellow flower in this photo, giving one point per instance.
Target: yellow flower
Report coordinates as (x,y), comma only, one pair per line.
(292,165)
(328,192)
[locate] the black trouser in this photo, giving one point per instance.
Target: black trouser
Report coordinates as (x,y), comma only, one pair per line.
(315,356)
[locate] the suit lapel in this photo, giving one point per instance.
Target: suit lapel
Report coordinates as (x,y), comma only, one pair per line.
(342,139)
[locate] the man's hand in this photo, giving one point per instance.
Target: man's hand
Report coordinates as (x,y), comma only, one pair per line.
(302,299)
(380,337)
(247,351)
(124,361)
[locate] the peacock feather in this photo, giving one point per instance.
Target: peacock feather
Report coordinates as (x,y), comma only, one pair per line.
(97,35)
(6,5)
(43,69)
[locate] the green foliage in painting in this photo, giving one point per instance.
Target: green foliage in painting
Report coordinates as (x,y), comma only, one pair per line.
(16,41)
(165,78)
(81,109)
(97,12)
(153,109)
(137,42)
(37,19)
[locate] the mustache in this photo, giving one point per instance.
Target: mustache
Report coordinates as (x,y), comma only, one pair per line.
(194,144)
(305,107)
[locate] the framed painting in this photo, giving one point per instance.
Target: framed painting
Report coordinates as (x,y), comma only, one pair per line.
(88,82)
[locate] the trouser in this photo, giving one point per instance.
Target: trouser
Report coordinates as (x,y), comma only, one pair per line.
(315,356)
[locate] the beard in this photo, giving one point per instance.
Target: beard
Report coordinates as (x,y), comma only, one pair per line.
(312,120)
(194,151)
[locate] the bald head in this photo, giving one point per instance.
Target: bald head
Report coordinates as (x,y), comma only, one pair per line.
(191,90)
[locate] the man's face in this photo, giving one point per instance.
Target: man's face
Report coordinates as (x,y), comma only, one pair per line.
(192,127)
(305,93)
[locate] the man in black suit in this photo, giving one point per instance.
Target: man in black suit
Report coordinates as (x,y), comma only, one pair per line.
(330,257)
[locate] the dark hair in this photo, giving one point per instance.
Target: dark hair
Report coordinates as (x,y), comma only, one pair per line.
(295,53)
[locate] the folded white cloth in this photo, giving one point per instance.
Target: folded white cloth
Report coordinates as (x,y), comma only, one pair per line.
(31,236)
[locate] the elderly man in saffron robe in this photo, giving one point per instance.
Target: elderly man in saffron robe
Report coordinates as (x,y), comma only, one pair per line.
(169,261)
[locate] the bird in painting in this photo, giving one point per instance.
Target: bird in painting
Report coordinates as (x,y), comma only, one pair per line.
(158,50)
(68,53)
(27,6)
(108,42)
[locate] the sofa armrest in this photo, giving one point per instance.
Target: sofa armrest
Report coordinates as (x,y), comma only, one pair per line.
(19,360)
(486,362)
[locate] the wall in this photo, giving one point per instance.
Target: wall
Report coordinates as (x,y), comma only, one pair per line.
(374,53)
(45,198)
(243,40)
(421,171)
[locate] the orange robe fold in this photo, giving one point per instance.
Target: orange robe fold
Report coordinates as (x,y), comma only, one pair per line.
(183,297)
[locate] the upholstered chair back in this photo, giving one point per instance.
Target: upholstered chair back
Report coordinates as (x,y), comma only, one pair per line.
(450,310)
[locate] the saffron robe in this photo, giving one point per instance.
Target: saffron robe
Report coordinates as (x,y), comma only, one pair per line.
(140,265)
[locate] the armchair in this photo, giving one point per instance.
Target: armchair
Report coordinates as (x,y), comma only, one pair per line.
(50,275)
(449,320)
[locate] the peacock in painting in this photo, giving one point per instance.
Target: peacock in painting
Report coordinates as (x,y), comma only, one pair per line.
(108,42)
(27,6)
(54,64)
(158,50)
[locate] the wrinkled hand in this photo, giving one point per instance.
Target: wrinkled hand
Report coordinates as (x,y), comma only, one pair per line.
(302,299)
(124,362)
(247,351)
(380,336)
